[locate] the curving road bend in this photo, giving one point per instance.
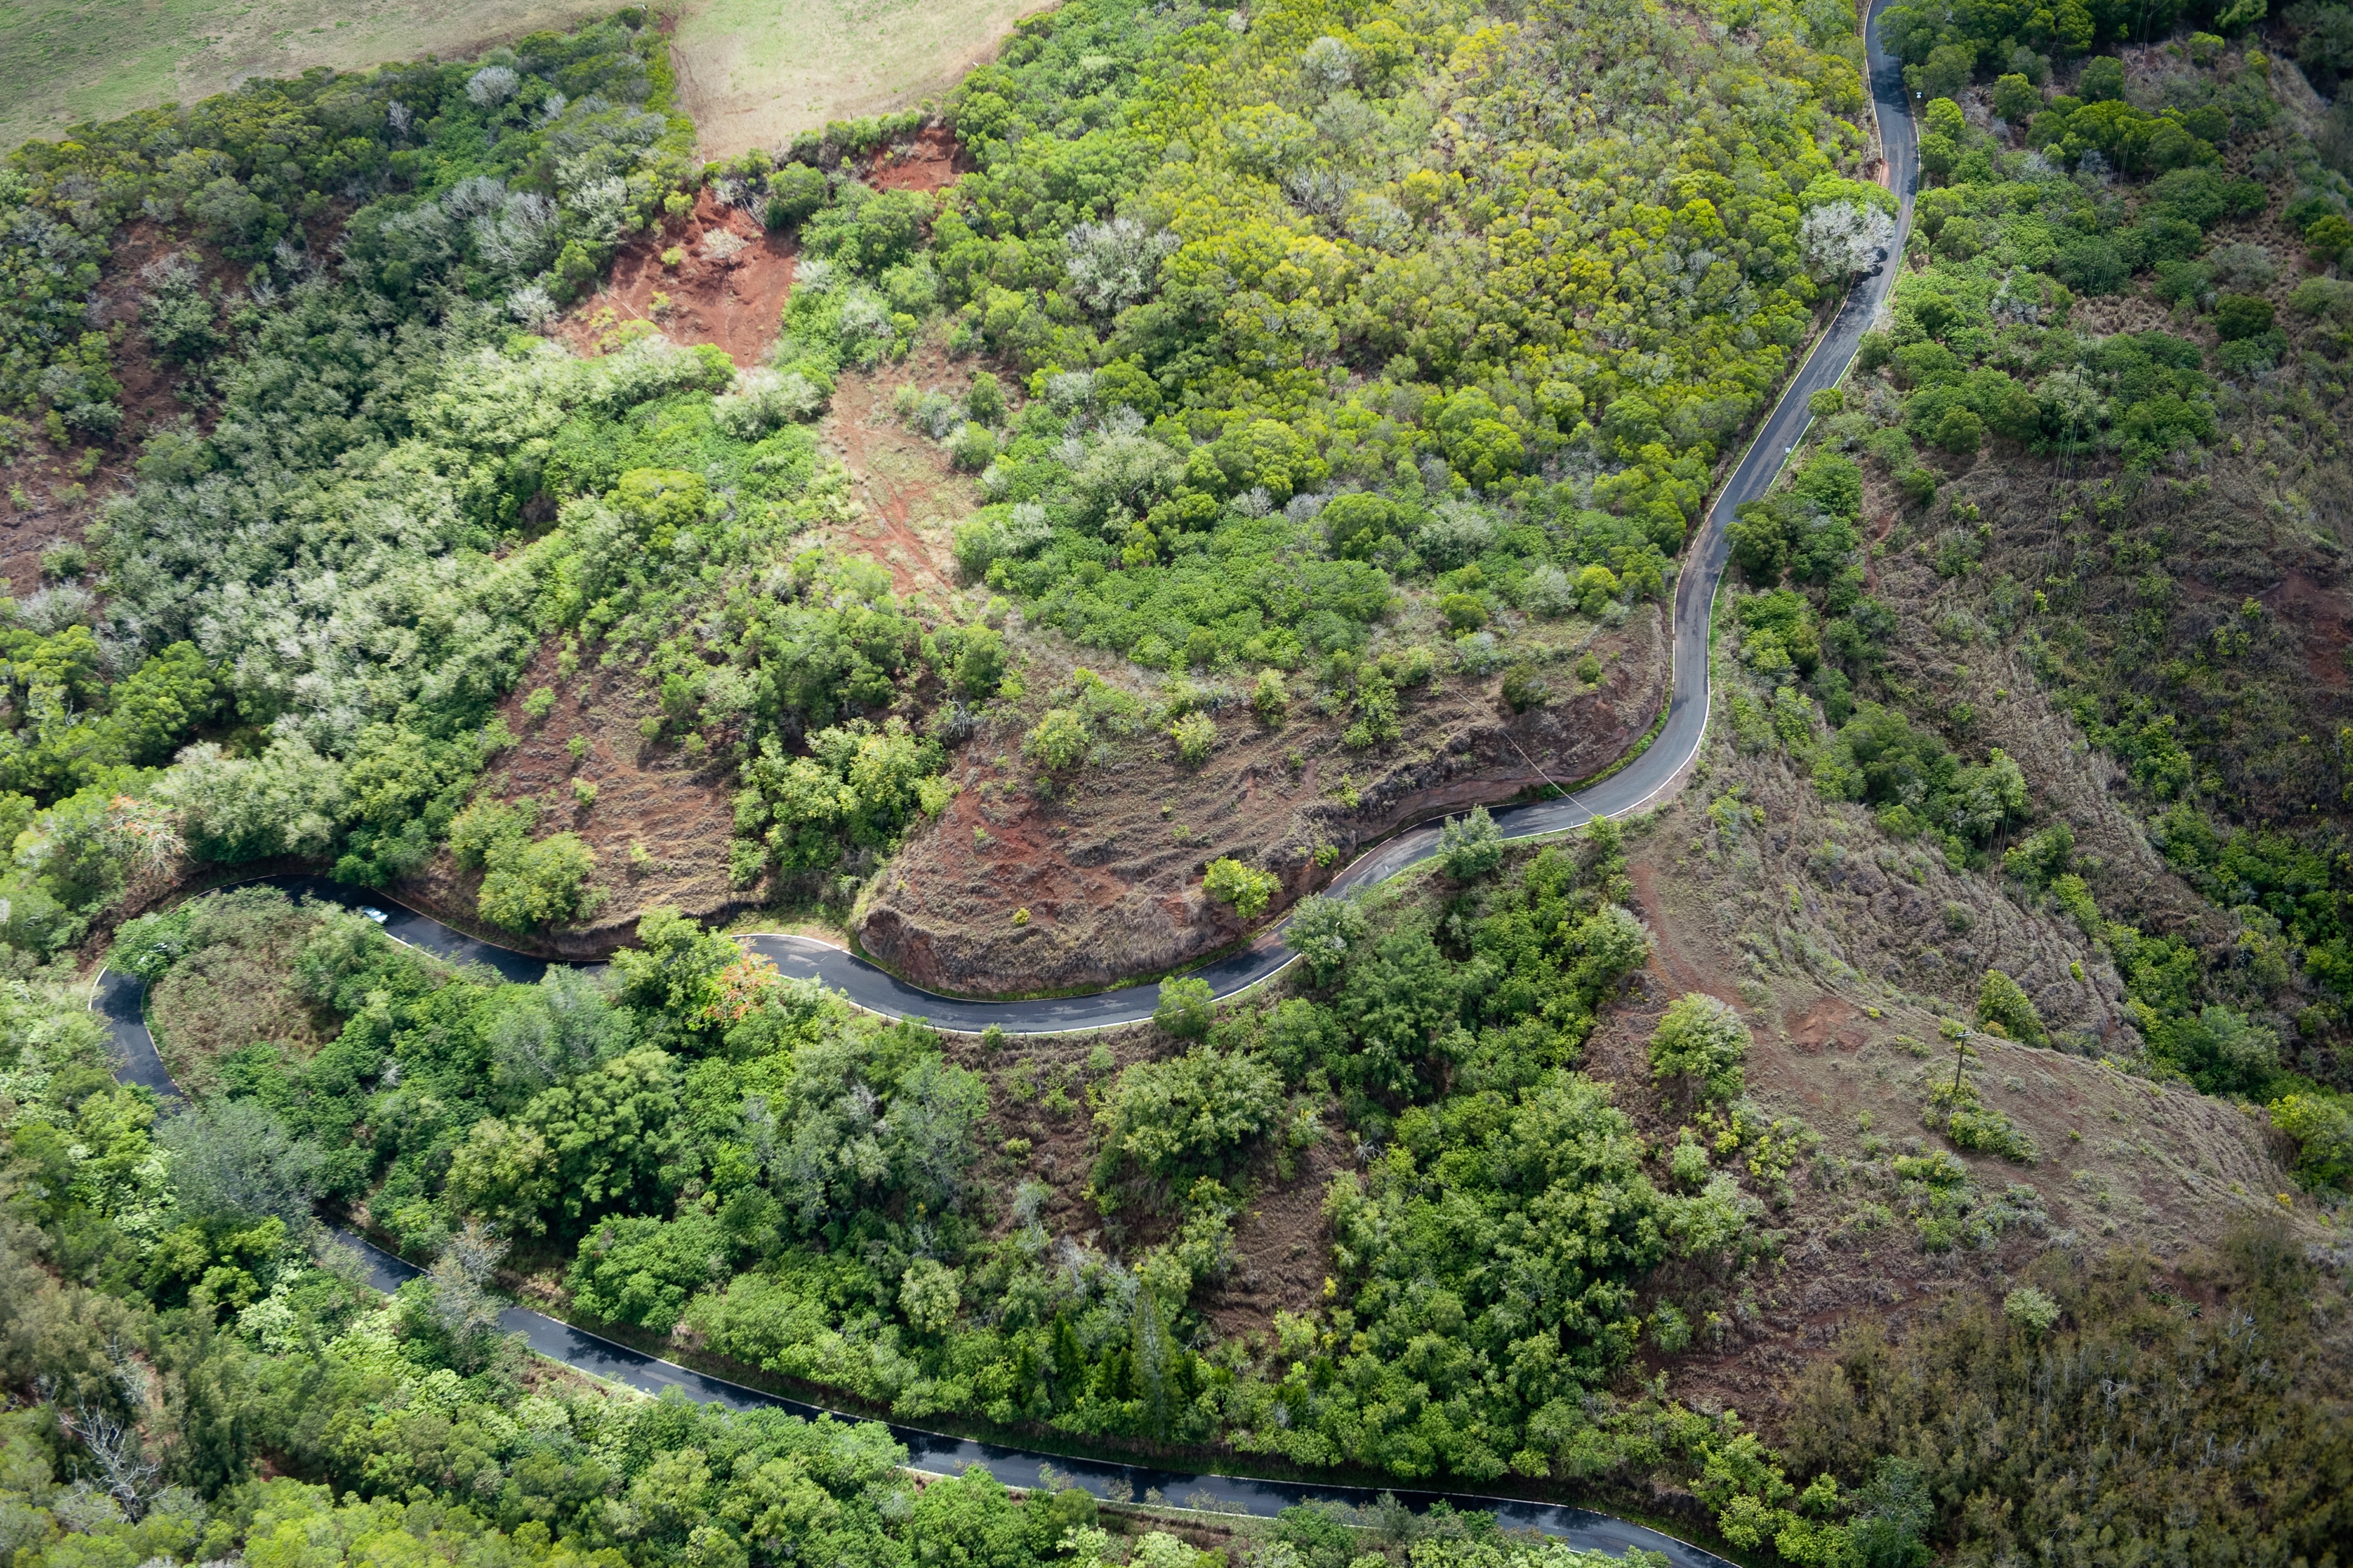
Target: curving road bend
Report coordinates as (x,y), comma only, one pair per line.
(1646,779)
(118,997)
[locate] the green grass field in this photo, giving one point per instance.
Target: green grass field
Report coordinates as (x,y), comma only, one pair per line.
(66,61)
(751,72)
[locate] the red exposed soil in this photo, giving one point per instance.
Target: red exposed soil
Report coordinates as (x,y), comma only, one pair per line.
(1680,970)
(660,797)
(908,499)
(736,301)
(932,161)
(2321,613)
(1108,865)
(1282,1242)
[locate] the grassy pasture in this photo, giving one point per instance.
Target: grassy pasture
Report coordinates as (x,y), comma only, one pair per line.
(751,72)
(66,61)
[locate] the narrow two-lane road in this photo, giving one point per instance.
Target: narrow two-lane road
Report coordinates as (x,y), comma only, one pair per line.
(117,997)
(941,1454)
(1642,781)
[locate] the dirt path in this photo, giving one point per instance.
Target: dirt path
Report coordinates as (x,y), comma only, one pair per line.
(1679,970)
(911,503)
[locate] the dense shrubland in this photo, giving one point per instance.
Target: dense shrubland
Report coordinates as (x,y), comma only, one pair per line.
(715,1148)
(714,1145)
(1380,305)
(1312,317)
(219,1334)
(2037,214)
(395,494)
(1305,315)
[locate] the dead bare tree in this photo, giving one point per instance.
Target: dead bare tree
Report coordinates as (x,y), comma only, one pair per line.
(118,1457)
(462,1302)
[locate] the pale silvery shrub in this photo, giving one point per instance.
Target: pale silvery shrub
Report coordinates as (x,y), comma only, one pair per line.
(1114,265)
(1548,592)
(761,399)
(602,210)
(1328,63)
(491,84)
(520,236)
(532,305)
(1844,240)
(1458,533)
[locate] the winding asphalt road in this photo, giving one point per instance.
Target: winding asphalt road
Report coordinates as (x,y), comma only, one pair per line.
(940,1454)
(1643,781)
(1646,779)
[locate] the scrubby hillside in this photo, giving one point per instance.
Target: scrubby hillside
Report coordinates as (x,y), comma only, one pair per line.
(2075,659)
(480,538)
(1043,542)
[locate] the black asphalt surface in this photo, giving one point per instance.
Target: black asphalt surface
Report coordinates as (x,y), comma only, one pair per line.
(117,997)
(940,1454)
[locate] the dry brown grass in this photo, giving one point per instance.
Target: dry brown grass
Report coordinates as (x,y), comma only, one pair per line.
(752,73)
(236,987)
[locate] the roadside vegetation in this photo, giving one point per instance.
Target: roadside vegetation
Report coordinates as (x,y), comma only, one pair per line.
(1271,334)
(2179,202)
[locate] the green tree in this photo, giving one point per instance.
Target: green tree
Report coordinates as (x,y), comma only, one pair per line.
(971,1522)
(1469,846)
(611,1133)
(2016,100)
(2322,1125)
(2004,1006)
(539,882)
(1185,1008)
(1702,1041)
(1402,1003)
(2221,1050)
(796,192)
(1328,933)
(1947,71)
(1245,887)
(1271,699)
(1189,1116)
(1059,740)
(641,1270)
(1195,734)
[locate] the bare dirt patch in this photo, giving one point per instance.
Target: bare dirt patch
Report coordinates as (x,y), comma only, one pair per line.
(909,500)
(2325,618)
(662,800)
(1282,1242)
(1013,888)
(934,160)
(729,287)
